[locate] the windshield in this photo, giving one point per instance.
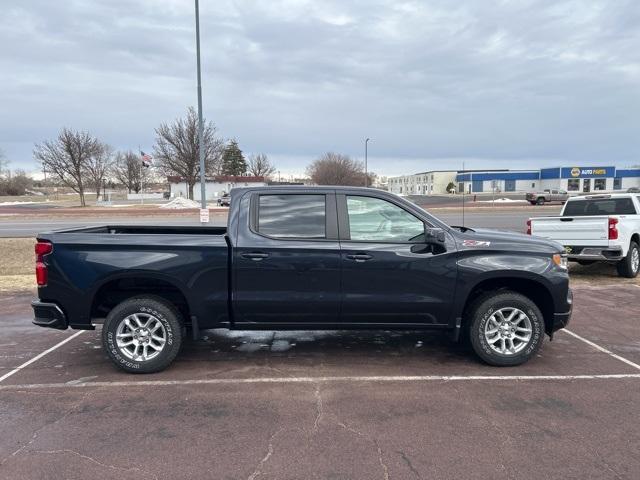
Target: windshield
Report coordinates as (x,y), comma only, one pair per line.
(600,206)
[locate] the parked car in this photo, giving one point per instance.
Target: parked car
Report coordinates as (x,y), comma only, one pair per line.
(225,200)
(547,196)
(596,228)
(633,190)
(302,258)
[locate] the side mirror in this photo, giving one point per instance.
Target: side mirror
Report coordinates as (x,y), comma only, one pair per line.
(434,236)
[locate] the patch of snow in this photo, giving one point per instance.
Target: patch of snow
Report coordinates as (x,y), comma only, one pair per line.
(4,204)
(180,203)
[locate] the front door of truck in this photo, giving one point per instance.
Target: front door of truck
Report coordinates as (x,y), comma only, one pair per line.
(389,275)
(286,265)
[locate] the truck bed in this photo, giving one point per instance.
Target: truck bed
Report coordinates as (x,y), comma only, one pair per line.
(148,230)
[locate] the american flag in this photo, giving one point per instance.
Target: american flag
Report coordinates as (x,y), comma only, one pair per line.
(147,160)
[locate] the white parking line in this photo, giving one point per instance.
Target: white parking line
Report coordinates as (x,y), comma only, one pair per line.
(374,379)
(39,356)
(602,349)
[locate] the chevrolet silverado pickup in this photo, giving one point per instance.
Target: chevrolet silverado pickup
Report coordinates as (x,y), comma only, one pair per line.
(597,228)
(302,258)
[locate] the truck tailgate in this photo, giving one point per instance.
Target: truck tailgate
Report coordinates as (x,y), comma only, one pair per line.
(583,231)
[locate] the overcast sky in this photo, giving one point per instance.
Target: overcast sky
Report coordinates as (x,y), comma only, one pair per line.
(503,84)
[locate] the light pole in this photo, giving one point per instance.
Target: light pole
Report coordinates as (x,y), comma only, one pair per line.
(366,154)
(203,200)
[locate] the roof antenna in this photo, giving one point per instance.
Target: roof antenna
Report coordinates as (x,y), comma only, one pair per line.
(463,189)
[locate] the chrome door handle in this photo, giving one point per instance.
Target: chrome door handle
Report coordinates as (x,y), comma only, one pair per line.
(359,257)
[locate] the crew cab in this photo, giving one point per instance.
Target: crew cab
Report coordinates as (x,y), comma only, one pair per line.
(302,258)
(596,228)
(547,196)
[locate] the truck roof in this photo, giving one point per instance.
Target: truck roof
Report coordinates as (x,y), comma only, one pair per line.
(597,196)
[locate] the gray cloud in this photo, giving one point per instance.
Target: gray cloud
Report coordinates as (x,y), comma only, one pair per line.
(505,83)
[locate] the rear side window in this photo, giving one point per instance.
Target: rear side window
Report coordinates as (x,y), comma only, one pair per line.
(601,206)
(292,216)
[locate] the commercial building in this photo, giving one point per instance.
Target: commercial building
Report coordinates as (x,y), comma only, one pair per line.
(569,178)
(572,179)
(426,183)
(214,186)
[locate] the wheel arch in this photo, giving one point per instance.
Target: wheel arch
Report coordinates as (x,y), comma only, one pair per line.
(534,289)
(116,288)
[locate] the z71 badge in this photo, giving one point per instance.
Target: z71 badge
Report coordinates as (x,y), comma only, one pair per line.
(475,243)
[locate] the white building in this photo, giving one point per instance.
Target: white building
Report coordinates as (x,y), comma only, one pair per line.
(425,183)
(214,186)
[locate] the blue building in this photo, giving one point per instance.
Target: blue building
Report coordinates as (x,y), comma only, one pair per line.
(572,179)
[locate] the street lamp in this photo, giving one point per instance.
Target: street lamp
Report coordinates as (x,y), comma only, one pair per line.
(203,200)
(366,177)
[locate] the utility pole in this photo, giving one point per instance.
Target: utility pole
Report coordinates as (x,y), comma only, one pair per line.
(366,154)
(203,199)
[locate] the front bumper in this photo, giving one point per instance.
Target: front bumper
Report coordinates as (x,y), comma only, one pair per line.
(49,315)
(561,320)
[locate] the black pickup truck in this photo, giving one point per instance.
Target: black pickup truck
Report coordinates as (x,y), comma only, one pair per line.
(303,258)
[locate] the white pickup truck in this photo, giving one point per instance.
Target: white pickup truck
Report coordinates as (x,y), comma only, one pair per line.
(596,228)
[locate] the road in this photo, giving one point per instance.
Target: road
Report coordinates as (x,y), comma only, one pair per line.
(499,218)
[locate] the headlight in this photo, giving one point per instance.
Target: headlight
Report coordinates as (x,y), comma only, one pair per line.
(560,260)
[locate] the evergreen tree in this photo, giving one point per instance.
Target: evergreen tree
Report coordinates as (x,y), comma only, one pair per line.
(233,162)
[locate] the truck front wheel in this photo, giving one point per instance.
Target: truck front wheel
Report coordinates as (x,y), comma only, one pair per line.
(629,265)
(506,328)
(142,334)
(540,201)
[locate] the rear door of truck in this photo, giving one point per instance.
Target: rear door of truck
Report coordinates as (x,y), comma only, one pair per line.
(286,265)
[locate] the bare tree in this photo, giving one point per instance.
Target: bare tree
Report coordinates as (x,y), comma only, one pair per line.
(67,157)
(260,166)
(98,167)
(4,164)
(126,169)
(336,169)
(177,149)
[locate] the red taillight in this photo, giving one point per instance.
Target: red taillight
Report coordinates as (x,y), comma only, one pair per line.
(41,274)
(42,249)
(613,228)
(528,227)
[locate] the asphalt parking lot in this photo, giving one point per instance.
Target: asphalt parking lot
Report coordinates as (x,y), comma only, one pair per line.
(326,405)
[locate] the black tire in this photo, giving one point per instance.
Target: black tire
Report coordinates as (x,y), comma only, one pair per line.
(540,201)
(628,267)
(148,306)
(480,314)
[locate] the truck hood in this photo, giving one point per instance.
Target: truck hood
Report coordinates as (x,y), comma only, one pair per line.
(487,239)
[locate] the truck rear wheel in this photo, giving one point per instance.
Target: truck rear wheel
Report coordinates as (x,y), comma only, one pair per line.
(506,328)
(630,265)
(142,334)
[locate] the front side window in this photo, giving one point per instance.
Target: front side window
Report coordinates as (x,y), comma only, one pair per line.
(376,220)
(292,216)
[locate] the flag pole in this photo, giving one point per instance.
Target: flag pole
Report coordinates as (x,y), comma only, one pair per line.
(203,199)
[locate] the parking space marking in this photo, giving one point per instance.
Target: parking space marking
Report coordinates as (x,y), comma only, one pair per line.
(40,355)
(314,380)
(602,349)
